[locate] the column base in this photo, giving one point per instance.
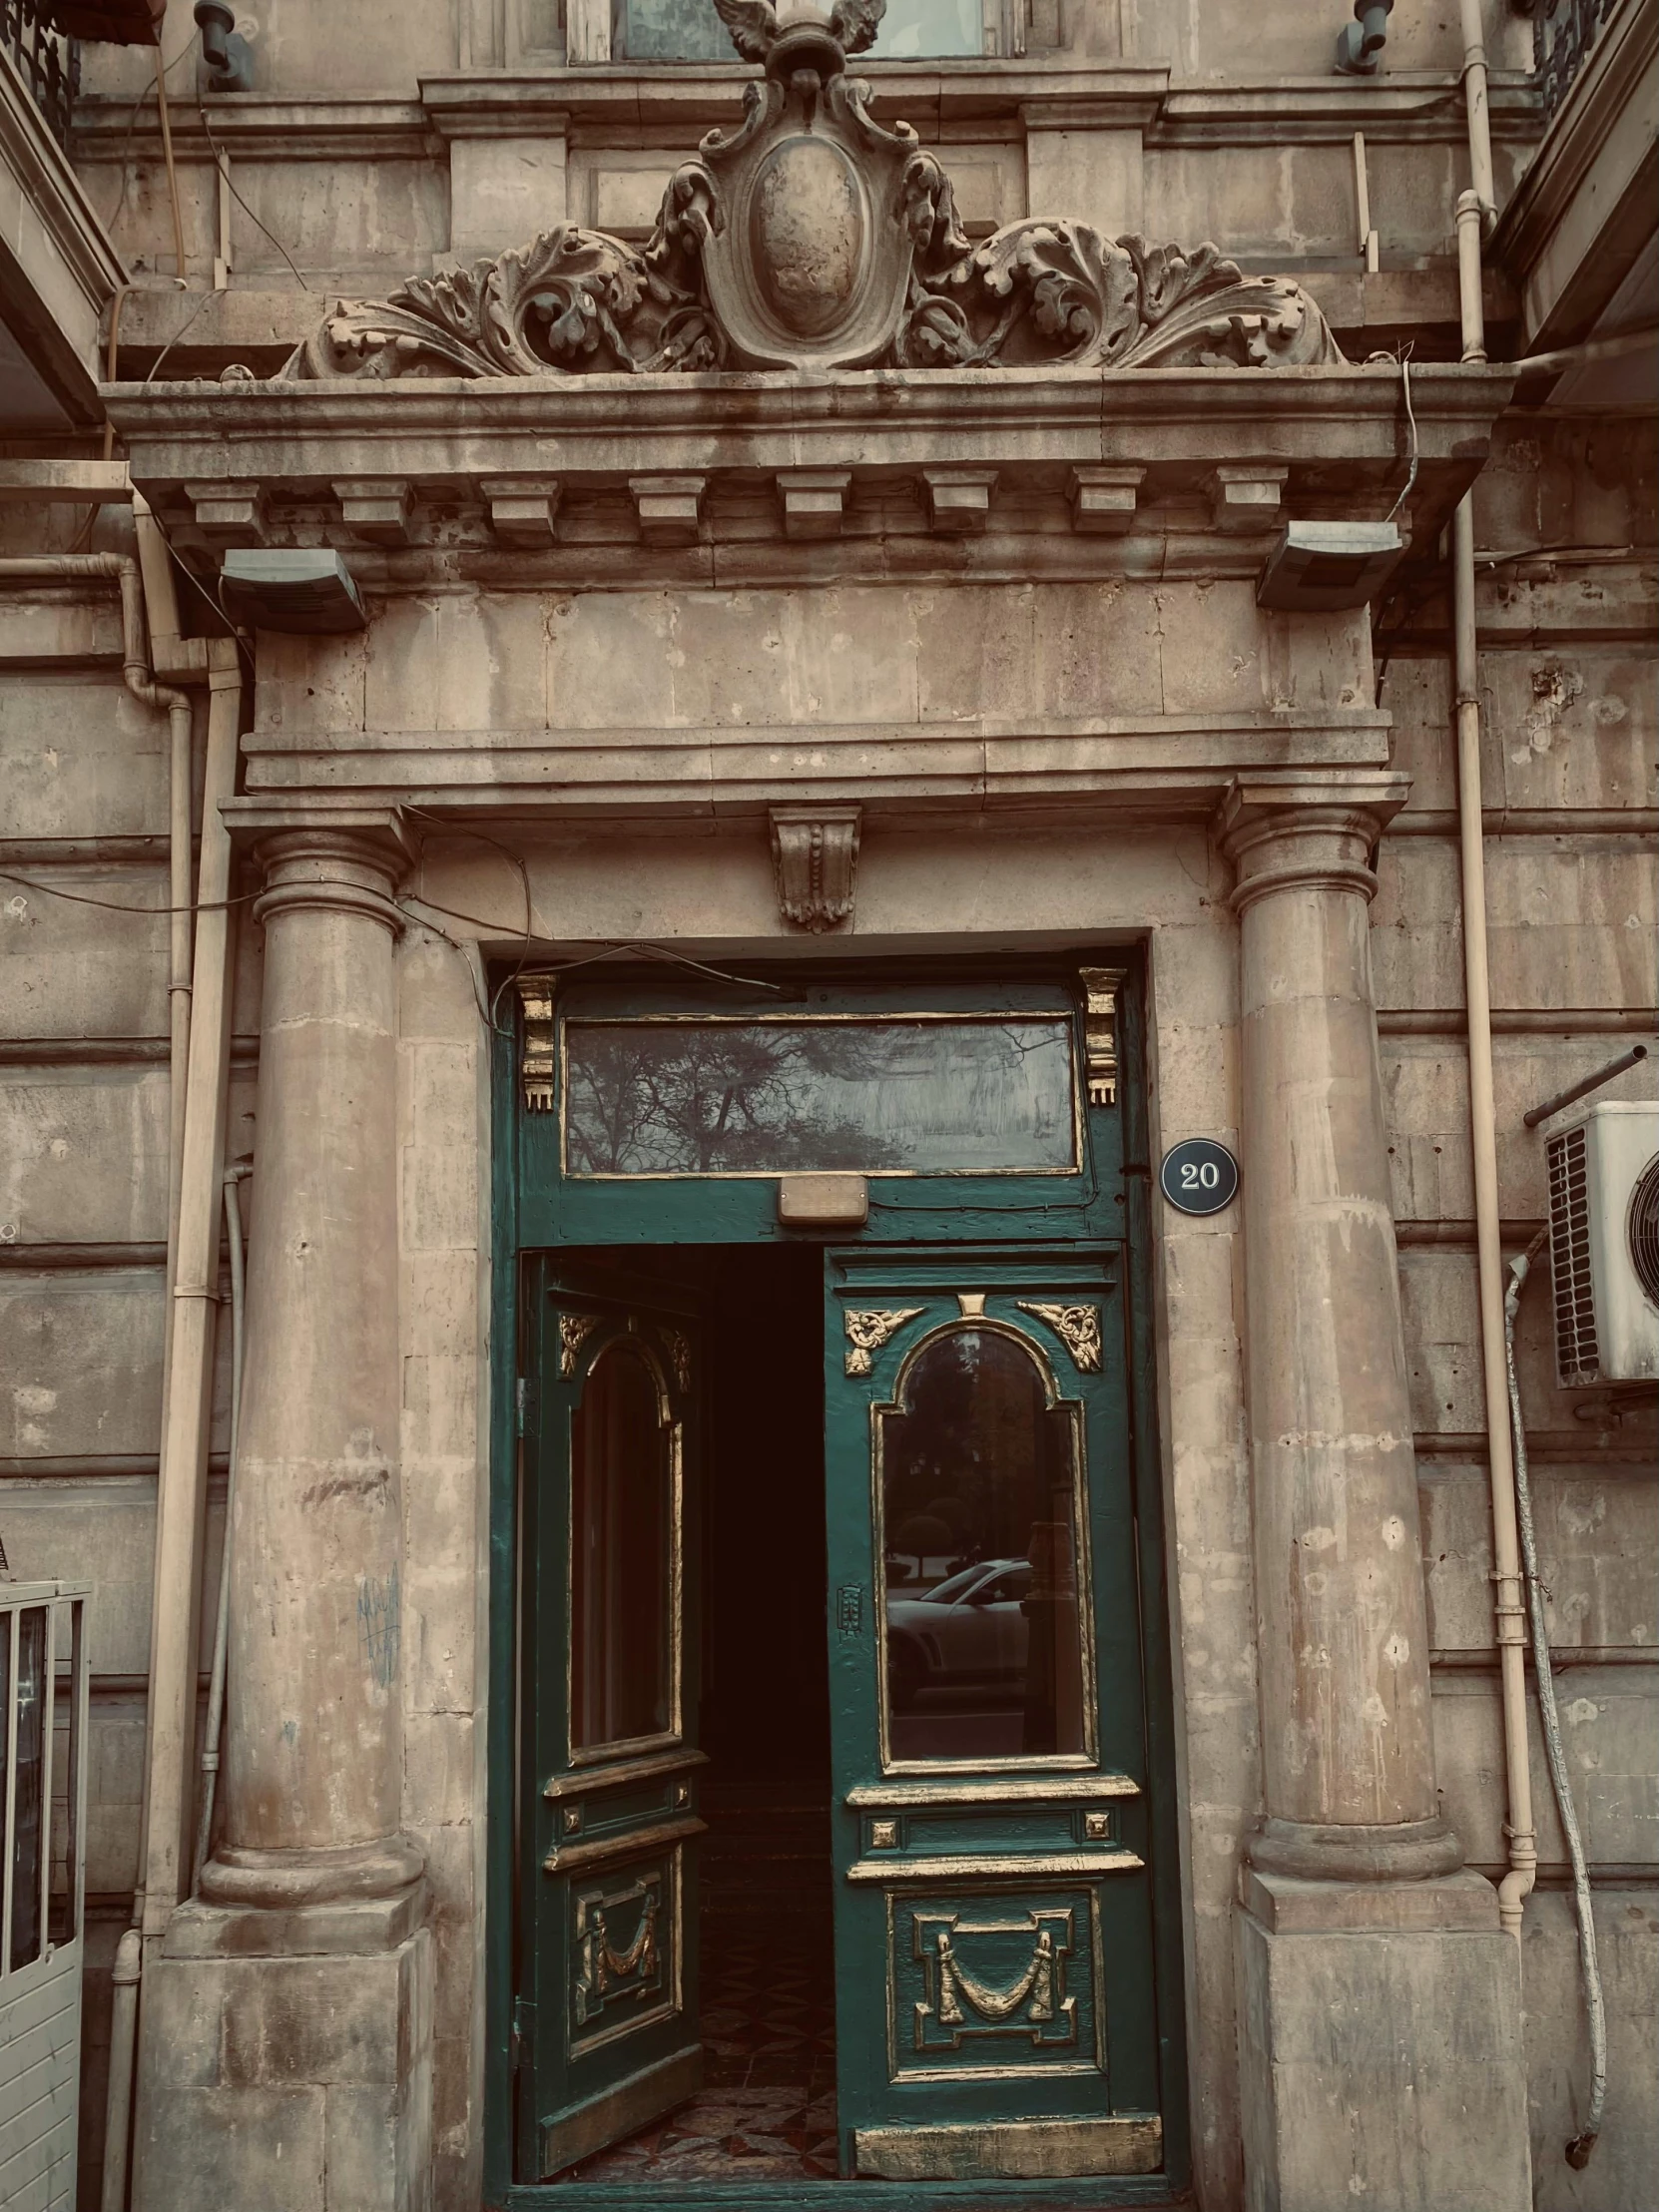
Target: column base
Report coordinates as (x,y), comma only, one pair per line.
(1380,2046)
(285,2061)
(278,1880)
(1402,1851)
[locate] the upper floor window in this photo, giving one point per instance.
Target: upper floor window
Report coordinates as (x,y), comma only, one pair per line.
(912,30)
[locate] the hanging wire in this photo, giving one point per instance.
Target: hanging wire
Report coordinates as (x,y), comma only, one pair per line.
(1411,416)
(225,177)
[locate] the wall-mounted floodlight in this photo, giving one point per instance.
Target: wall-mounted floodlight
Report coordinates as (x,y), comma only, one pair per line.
(229,56)
(303,589)
(1360,44)
(1320,567)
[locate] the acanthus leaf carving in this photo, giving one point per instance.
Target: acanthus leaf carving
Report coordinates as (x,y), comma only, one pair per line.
(812,234)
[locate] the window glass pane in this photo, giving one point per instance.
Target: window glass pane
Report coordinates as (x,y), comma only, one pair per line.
(27,1830)
(670,31)
(877,1096)
(979,1471)
(914,29)
(689,31)
(623,1537)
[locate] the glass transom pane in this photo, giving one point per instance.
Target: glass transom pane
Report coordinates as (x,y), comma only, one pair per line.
(899,1095)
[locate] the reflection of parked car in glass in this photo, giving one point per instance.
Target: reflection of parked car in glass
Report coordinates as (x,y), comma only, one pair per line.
(968,1628)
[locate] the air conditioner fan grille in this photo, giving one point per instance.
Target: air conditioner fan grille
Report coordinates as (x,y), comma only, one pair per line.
(1643,1225)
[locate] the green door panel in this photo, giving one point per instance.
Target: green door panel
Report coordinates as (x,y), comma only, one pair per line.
(608,1846)
(995,2004)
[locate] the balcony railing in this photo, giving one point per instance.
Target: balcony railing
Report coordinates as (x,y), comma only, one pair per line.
(1563,33)
(48,62)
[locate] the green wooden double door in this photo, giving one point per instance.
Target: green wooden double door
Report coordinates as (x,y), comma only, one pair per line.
(992,1863)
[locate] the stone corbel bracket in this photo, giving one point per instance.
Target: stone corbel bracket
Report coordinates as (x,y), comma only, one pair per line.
(1100,1031)
(535,1060)
(815,854)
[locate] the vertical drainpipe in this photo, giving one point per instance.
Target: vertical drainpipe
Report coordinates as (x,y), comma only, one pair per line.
(1477,211)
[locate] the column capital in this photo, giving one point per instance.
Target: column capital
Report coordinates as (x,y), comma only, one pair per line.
(1306,831)
(331,869)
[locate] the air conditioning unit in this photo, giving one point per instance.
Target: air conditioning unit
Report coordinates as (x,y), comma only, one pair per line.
(1604,1242)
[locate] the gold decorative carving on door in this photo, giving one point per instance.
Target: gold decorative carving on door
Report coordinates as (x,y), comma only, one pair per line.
(868,1330)
(958,2001)
(609,1975)
(574,1332)
(1077,1326)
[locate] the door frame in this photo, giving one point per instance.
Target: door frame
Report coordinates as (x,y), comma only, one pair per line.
(501,2193)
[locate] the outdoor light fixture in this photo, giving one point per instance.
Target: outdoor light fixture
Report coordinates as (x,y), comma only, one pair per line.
(307,590)
(1320,567)
(1360,44)
(229,57)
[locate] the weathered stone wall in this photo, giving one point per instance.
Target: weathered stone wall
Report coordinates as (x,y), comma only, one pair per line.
(363,194)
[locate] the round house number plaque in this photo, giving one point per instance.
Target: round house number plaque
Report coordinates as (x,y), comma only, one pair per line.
(1199,1176)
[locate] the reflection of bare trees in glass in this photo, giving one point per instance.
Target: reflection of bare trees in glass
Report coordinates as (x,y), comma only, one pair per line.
(729,1097)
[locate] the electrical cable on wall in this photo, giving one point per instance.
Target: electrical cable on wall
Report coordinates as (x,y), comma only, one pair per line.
(1579,2150)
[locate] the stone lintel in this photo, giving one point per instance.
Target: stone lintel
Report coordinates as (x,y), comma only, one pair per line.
(231,511)
(670,508)
(1104,497)
(522,509)
(960,499)
(813,500)
(377,508)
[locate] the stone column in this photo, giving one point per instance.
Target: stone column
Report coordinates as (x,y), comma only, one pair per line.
(1379,2000)
(314,1740)
(289,2019)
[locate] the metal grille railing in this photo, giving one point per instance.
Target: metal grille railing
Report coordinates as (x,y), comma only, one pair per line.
(1563,33)
(48,62)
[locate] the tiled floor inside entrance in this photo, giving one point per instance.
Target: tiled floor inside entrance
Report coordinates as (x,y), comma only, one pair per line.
(767,2111)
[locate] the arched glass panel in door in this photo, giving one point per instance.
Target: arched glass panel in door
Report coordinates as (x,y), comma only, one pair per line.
(979,1482)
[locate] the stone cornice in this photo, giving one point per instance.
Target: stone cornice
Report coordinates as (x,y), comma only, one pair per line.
(1334,438)
(614,105)
(1579,133)
(370,128)
(1037,768)
(944,99)
(462,427)
(1401,107)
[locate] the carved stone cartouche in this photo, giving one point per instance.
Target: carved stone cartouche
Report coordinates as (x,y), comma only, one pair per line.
(812,236)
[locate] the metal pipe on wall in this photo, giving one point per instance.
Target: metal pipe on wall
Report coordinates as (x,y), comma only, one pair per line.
(1508,1608)
(1479,112)
(187,1407)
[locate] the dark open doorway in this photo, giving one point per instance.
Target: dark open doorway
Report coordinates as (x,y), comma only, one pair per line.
(767,2111)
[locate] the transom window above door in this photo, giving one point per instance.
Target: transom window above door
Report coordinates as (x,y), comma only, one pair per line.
(912,30)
